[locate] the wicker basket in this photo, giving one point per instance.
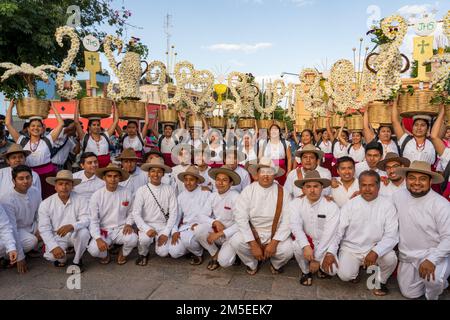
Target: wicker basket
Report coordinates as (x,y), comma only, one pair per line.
(217,122)
(131,110)
(246,123)
(280,123)
(380,112)
(91,107)
(264,124)
(355,122)
(321,123)
(337,121)
(418,103)
(33,107)
(167,116)
(195,121)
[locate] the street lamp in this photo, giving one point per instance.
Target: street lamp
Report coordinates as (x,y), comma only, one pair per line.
(289,73)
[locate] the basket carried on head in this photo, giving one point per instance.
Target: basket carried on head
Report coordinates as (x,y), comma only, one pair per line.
(167,116)
(417,103)
(321,123)
(264,124)
(246,123)
(131,110)
(218,122)
(355,122)
(337,121)
(95,107)
(279,123)
(195,121)
(33,108)
(380,113)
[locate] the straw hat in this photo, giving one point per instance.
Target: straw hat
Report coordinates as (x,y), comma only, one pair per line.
(391,156)
(265,163)
(112,167)
(128,154)
(313,176)
(225,170)
(309,149)
(156,163)
(191,171)
(421,167)
(63,175)
(15,148)
(422,117)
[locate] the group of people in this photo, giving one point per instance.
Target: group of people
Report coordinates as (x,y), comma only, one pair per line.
(245,197)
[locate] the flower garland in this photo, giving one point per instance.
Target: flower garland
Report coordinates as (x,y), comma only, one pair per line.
(317,99)
(109,41)
(291,88)
(277,91)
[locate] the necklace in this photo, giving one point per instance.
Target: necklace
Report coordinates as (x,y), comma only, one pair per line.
(33,149)
(420,146)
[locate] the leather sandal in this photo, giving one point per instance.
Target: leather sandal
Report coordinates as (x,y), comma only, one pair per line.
(196,260)
(142,260)
(213,265)
(306,279)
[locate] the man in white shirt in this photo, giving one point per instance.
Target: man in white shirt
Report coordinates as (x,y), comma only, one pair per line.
(111,219)
(374,154)
(168,178)
(232,158)
(15,156)
(7,242)
(137,178)
(310,158)
(394,182)
(313,222)
(194,207)
(345,187)
(366,236)
(64,221)
(89,181)
(21,204)
(155,211)
(220,227)
(263,221)
(424,219)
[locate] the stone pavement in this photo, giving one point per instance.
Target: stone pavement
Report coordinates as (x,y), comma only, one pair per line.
(172,279)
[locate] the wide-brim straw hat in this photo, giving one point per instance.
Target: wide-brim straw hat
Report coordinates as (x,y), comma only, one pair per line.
(112,167)
(191,171)
(391,156)
(15,148)
(309,149)
(156,163)
(128,154)
(63,175)
(265,163)
(236,178)
(313,176)
(421,167)
(239,154)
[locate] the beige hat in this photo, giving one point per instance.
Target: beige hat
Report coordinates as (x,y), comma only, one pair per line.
(422,117)
(312,176)
(15,148)
(265,163)
(63,175)
(156,163)
(128,154)
(112,167)
(309,148)
(392,156)
(240,155)
(191,171)
(228,171)
(421,167)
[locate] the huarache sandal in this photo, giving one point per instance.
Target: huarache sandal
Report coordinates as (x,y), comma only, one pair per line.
(382,291)
(213,265)
(58,264)
(306,280)
(121,259)
(106,260)
(142,261)
(251,271)
(275,271)
(196,260)
(322,275)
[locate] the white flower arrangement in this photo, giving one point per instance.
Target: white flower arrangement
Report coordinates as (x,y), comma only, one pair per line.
(277,91)
(441,74)
(318,98)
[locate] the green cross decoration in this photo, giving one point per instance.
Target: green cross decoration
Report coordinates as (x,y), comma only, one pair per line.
(423,45)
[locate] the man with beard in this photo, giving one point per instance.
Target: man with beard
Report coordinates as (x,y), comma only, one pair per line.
(391,162)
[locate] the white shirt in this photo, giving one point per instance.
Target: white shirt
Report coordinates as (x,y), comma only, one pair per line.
(167,144)
(6,232)
(209,183)
(390,147)
(40,153)
(424,227)
(98,148)
(218,149)
(178,184)
(341,195)
(340,150)
(272,151)
(7,183)
(134,143)
(445,159)
(110,210)
(136,180)
(191,207)
(245,180)
(326,147)
(53,214)
(61,157)
(251,155)
(294,191)
(357,155)
(88,186)
(366,226)
(257,205)
(318,220)
(391,188)
(146,212)
(411,152)
(363,166)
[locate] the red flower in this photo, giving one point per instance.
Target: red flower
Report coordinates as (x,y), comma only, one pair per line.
(125,203)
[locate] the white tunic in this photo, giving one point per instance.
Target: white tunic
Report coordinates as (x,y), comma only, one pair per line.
(88,186)
(146,212)
(61,157)
(7,183)
(133,143)
(99,148)
(272,151)
(40,153)
(363,166)
(411,152)
(192,206)
(424,227)
(390,189)
(136,180)
(6,232)
(110,210)
(53,214)
(390,147)
(326,147)
(167,145)
(295,191)
(366,226)
(318,220)
(341,195)
(340,150)
(251,155)
(357,155)
(257,205)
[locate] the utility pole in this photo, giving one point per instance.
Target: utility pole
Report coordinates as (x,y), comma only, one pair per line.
(168,31)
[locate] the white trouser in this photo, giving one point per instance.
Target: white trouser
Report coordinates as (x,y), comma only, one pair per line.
(78,239)
(114,236)
(186,242)
(413,286)
(226,256)
(145,242)
(28,240)
(303,263)
(282,255)
(349,264)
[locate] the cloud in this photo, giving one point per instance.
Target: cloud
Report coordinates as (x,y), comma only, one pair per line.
(416,9)
(236,63)
(242,47)
(302,3)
